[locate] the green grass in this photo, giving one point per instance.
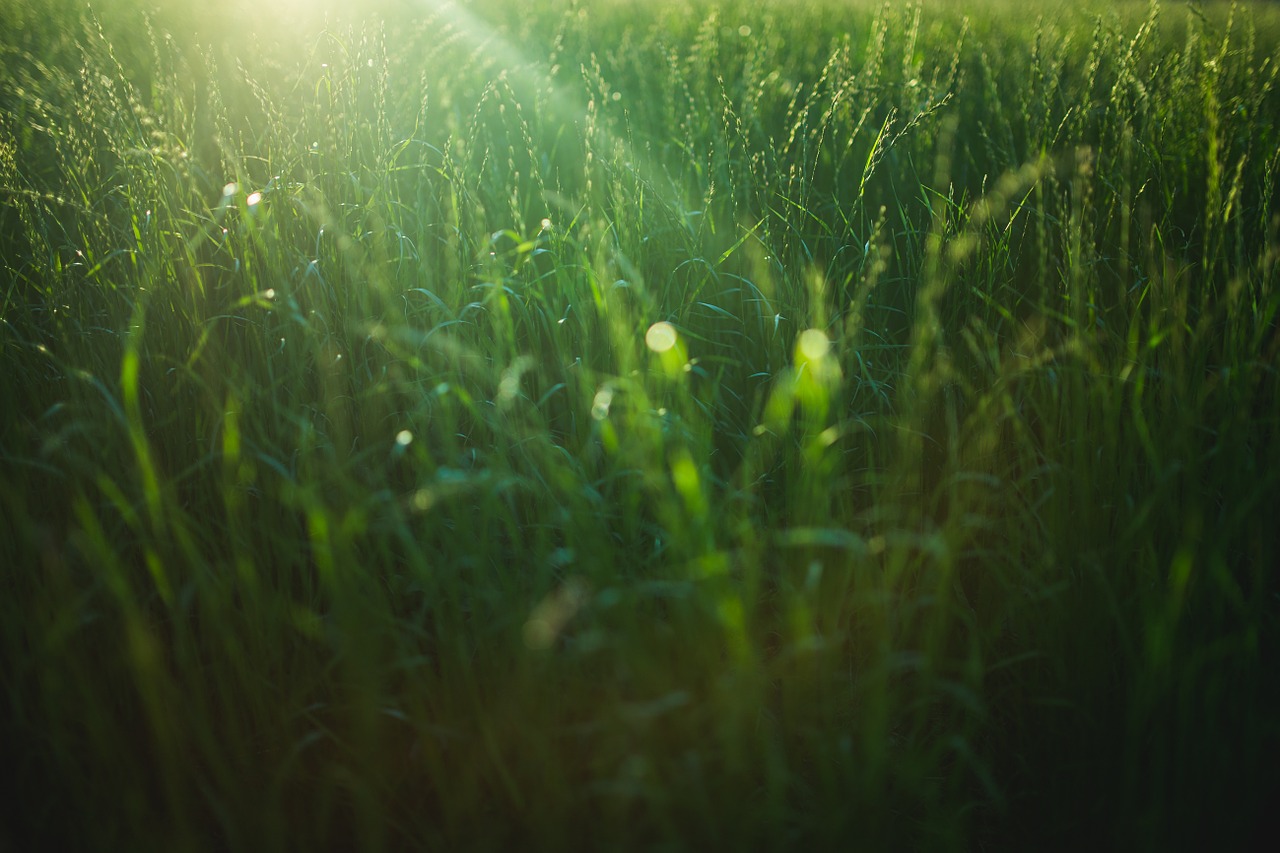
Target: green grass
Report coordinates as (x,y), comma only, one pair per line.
(676,425)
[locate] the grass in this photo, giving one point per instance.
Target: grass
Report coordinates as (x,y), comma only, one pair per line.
(686,425)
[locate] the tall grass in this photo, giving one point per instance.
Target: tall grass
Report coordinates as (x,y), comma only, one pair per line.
(683,425)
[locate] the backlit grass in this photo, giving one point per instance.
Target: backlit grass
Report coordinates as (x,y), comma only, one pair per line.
(594,424)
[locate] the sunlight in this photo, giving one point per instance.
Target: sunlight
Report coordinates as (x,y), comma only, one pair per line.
(567,107)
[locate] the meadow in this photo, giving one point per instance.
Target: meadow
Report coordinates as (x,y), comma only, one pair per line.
(697,424)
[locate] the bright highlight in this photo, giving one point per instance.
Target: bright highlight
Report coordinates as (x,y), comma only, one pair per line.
(661,337)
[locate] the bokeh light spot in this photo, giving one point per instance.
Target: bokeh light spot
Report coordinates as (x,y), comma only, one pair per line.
(600,405)
(814,344)
(661,337)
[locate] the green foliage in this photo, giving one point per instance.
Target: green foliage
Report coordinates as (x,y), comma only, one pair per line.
(698,424)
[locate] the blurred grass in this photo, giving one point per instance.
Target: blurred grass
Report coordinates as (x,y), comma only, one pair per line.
(782,426)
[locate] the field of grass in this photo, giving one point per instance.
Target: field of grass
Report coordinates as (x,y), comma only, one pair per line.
(609,425)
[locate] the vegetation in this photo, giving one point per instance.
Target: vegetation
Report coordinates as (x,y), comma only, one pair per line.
(683,424)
